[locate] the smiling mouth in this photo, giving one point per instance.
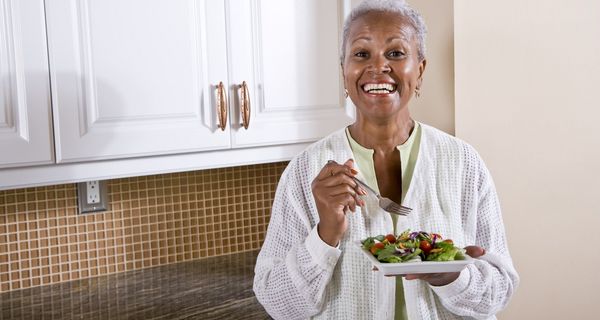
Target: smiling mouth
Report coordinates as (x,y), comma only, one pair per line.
(379,88)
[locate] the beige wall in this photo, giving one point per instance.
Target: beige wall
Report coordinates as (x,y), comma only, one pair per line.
(436,104)
(527,97)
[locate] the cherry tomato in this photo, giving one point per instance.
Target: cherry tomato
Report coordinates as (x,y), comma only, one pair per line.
(376,247)
(390,238)
(425,246)
(449,241)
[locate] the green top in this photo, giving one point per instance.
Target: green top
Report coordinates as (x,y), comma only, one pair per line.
(363,158)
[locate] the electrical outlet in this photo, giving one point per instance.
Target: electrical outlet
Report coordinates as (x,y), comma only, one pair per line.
(93,192)
(92,196)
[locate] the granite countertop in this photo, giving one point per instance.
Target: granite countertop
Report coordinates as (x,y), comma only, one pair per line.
(212,288)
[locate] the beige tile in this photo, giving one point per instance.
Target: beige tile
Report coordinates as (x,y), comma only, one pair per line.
(152,221)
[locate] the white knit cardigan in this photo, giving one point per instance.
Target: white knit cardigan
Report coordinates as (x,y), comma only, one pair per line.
(298,276)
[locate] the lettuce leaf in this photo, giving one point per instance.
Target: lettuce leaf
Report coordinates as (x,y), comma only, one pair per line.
(447,254)
(368,243)
(386,252)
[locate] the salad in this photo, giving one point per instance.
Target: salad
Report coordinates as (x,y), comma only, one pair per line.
(412,246)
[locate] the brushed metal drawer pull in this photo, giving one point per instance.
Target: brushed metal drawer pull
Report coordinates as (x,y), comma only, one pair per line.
(245,105)
(221,106)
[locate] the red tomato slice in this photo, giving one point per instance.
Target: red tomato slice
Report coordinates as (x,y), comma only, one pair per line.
(390,238)
(425,246)
(376,247)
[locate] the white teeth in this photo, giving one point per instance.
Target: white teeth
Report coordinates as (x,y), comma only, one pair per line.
(378,87)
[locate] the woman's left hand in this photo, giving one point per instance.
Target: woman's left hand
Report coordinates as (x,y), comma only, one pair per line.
(442,279)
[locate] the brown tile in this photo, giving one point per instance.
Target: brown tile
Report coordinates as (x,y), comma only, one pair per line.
(153,220)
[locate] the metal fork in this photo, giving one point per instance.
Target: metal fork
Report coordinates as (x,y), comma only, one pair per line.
(386,203)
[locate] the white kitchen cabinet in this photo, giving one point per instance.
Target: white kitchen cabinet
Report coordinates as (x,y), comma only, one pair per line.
(25,125)
(134,85)
(288,53)
(134,78)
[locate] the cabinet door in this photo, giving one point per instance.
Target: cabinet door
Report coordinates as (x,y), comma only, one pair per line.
(288,53)
(25,133)
(136,77)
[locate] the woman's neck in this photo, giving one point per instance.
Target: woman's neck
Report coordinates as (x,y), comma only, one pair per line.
(382,137)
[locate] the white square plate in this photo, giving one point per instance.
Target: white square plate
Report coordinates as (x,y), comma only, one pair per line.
(402,268)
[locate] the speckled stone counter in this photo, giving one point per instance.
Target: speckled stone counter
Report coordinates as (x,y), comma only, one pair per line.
(213,288)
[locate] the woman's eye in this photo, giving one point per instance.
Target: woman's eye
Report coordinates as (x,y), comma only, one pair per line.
(396,54)
(361,54)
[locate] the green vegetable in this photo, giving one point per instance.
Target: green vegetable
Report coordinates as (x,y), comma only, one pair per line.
(368,243)
(444,245)
(412,255)
(391,259)
(460,255)
(444,255)
(447,252)
(386,252)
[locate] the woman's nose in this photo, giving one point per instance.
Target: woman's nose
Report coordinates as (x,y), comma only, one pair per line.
(380,64)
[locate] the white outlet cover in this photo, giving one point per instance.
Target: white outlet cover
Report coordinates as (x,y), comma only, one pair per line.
(92,196)
(93,192)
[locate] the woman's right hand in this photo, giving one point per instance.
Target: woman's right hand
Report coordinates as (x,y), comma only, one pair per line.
(335,192)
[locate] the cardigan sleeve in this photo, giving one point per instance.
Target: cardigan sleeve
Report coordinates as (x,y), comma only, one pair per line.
(485,287)
(294,265)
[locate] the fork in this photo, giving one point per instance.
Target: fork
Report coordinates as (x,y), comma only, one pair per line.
(386,203)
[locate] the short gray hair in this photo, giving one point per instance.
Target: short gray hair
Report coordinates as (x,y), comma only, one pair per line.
(399,7)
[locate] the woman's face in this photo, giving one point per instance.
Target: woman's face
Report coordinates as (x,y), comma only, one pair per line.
(381,67)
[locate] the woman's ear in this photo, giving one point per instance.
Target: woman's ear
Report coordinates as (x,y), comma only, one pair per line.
(344,80)
(422,66)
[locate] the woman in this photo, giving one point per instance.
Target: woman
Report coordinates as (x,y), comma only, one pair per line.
(310,265)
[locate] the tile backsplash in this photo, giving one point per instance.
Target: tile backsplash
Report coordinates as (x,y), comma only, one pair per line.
(152,220)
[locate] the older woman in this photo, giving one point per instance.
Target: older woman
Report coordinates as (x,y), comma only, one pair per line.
(310,265)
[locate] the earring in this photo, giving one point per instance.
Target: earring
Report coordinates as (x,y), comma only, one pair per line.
(417,92)
(346,93)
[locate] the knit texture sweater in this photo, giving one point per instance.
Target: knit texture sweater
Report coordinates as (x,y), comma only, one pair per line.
(298,276)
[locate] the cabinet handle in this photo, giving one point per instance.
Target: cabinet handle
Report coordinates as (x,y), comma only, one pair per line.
(221,106)
(245,105)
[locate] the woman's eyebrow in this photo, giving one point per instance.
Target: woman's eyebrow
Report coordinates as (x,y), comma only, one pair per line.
(364,38)
(402,38)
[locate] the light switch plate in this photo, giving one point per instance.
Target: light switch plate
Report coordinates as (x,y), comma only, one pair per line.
(92,196)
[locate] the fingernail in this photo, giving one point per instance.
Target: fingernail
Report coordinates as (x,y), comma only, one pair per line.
(483,251)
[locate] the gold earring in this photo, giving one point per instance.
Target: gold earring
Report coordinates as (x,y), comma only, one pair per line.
(417,92)
(346,93)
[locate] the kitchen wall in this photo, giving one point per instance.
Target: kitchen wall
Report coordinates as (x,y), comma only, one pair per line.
(436,104)
(153,220)
(527,74)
